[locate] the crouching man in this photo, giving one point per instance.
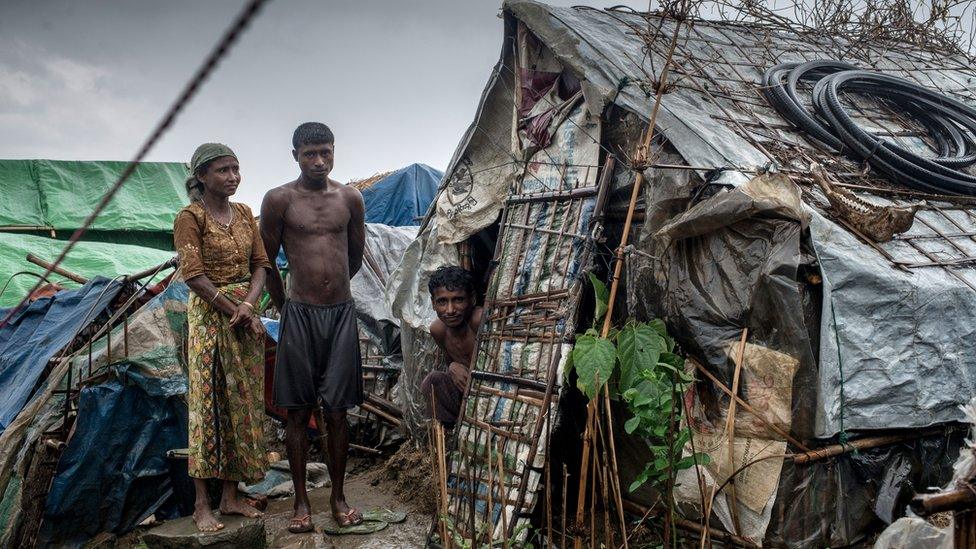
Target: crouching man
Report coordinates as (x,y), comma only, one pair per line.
(452,296)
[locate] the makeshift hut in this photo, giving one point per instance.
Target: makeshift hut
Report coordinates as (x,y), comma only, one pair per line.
(399,198)
(838,319)
(45,201)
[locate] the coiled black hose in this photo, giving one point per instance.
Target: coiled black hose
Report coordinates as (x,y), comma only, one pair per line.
(950,123)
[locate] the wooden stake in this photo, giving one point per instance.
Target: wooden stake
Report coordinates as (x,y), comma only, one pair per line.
(504,496)
(615,477)
(730,429)
(641,157)
(491,487)
(562,542)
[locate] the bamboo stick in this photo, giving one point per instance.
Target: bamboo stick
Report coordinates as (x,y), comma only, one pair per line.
(640,158)
(380,414)
(730,429)
(59,270)
(385,404)
(959,499)
(860,444)
(504,495)
(174,261)
(748,407)
(638,509)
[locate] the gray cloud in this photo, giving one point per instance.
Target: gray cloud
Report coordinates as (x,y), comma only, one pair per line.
(398,82)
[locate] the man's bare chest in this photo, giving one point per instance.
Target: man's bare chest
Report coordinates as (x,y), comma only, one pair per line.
(317,217)
(460,349)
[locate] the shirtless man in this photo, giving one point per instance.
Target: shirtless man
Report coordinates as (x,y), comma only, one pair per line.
(452,296)
(320,224)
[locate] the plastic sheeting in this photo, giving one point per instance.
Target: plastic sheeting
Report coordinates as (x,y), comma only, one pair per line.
(403,197)
(87,259)
(60,194)
(154,359)
(114,471)
(904,336)
(923,345)
(34,335)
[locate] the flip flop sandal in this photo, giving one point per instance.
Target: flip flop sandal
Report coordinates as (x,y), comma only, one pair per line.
(300,525)
(345,519)
(384,515)
(365,527)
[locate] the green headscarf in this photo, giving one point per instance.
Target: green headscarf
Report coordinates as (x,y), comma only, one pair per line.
(204,153)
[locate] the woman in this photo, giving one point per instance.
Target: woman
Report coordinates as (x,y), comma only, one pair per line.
(223,262)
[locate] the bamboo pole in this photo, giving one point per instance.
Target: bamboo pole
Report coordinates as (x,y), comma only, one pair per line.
(730,429)
(640,158)
(59,270)
(860,444)
(749,408)
(504,490)
(172,262)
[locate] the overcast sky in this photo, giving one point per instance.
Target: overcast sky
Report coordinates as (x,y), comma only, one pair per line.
(398,82)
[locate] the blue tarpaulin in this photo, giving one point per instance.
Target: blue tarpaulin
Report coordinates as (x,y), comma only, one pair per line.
(33,336)
(402,198)
(114,471)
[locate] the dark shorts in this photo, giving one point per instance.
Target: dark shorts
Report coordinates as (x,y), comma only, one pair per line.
(318,357)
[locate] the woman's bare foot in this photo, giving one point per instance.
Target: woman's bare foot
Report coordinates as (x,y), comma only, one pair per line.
(205,519)
(238,507)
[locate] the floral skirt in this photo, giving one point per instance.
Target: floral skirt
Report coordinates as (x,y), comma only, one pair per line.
(226,396)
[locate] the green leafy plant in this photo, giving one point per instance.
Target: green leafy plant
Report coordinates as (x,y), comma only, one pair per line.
(649,378)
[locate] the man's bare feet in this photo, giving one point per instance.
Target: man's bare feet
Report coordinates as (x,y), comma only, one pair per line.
(205,520)
(345,515)
(301,522)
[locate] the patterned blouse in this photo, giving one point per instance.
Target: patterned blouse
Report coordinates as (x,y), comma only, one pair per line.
(224,254)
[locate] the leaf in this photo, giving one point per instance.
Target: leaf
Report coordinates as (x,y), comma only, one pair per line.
(684,436)
(593,358)
(632,424)
(638,351)
(672,360)
(641,478)
(647,391)
(602,298)
(658,325)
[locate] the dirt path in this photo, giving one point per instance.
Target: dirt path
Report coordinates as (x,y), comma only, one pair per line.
(361,493)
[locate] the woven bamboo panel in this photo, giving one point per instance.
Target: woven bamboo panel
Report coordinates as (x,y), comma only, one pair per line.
(545,237)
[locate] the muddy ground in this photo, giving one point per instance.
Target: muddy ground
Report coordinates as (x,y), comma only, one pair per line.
(402,482)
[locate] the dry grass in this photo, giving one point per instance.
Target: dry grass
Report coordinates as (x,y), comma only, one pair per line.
(368,182)
(412,473)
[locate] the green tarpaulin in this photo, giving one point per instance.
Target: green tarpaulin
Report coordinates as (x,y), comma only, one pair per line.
(86,259)
(60,194)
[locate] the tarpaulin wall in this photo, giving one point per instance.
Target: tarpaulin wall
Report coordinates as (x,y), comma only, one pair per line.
(88,259)
(60,194)
(114,472)
(152,384)
(403,197)
(35,334)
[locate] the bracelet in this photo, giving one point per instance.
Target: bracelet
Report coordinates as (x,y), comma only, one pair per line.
(215,296)
(249,306)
